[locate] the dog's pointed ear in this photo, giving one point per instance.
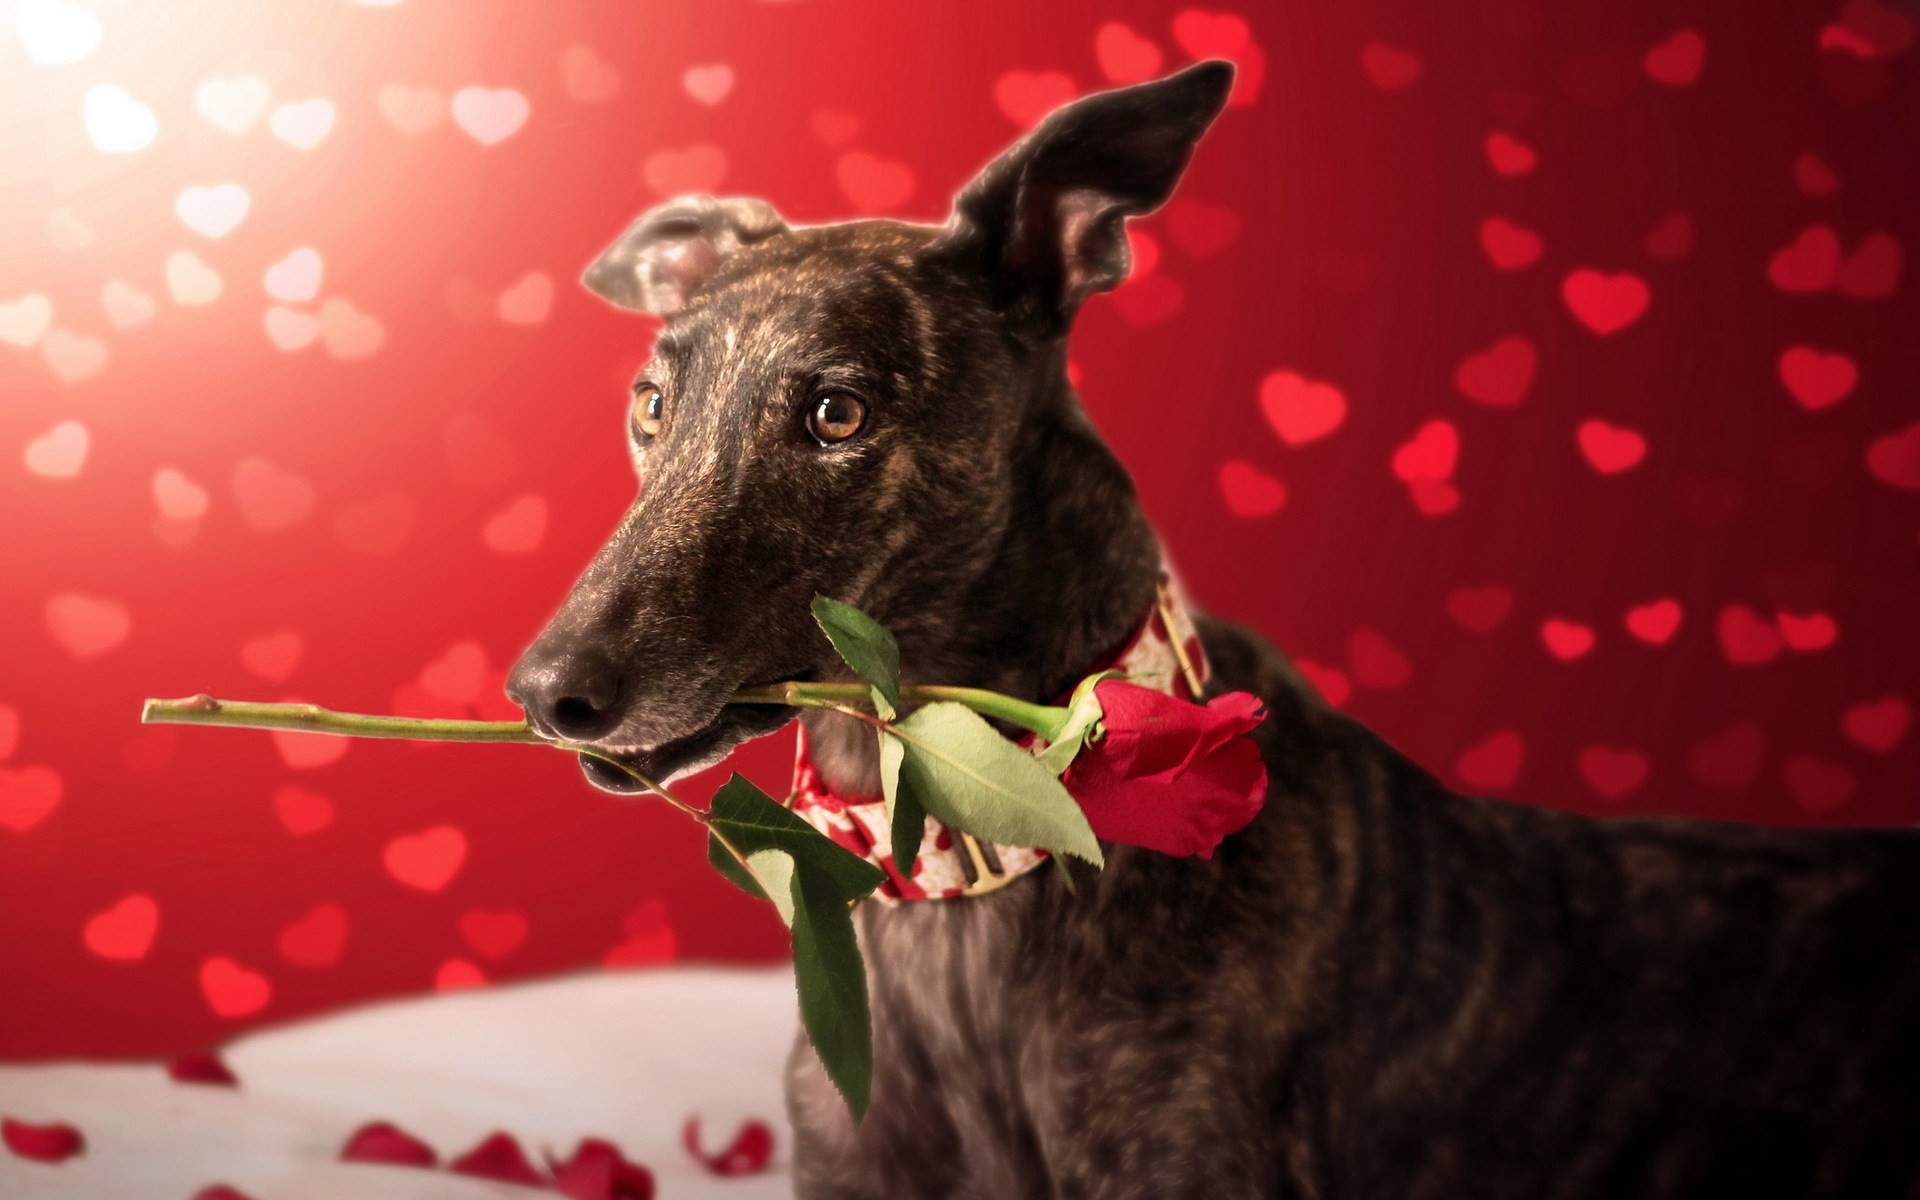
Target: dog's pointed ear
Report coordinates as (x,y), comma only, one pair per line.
(664,257)
(1047,218)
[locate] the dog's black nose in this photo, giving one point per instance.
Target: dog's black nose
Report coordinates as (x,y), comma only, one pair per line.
(572,695)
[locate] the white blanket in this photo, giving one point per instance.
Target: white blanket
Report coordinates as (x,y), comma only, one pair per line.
(625,1056)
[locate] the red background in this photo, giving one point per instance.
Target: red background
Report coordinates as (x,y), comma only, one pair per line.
(425,502)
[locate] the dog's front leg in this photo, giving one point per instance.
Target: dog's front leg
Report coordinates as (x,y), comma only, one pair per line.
(1134,1110)
(904,1149)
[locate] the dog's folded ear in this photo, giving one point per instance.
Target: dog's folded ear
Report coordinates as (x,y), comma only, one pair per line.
(1047,218)
(664,257)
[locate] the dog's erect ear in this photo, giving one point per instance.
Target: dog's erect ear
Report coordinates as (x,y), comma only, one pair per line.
(1046,219)
(664,257)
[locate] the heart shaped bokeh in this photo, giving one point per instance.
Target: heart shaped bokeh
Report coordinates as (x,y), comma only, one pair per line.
(1541,382)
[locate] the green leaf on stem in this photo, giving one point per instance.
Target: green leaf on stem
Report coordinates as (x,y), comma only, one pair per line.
(811,882)
(751,821)
(832,981)
(773,871)
(971,778)
(731,869)
(867,648)
(1082,724)
(906,816)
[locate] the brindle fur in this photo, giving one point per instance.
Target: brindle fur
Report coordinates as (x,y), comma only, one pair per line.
(1379,989)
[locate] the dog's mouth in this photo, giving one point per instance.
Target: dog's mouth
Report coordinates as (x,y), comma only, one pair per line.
(736,724)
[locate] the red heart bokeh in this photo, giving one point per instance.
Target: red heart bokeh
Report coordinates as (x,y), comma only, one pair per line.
(356,447)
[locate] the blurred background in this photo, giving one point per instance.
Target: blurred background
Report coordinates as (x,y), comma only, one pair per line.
(1542,375)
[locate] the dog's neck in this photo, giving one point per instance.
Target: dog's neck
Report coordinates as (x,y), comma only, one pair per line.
(1075,570)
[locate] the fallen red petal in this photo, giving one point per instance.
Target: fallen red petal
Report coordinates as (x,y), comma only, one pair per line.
(498,1157)
(220,1191)
(597,1171)
(751,1150)
(54,1142)
(202,1068)
(381,1142)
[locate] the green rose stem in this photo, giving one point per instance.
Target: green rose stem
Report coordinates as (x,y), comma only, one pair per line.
(203,709)
(311,718)
(1041,719)
(973,772)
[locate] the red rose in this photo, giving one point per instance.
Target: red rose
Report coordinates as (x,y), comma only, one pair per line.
(1169,774)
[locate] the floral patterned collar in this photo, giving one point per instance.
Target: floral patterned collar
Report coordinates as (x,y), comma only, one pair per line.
(1163,654)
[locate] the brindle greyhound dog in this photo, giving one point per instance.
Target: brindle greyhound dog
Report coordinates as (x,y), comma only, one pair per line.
(1379,988)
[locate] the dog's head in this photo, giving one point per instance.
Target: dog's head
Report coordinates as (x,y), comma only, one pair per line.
(833,410)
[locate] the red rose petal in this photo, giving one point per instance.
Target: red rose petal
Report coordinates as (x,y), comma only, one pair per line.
(1170,775)
(53,1142)
(597,1171)
(498,1157)
(202,1068)
(220,1191)
(748,1153)
(383,1142)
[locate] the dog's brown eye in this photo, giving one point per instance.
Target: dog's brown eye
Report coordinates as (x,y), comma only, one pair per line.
(836,417)
(649,407)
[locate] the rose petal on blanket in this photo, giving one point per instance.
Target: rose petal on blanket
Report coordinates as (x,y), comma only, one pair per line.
(220,1191)
(750,1152)
(202,1068)
(53,1142)
(382,1142)
(597,1171)
(498,1157)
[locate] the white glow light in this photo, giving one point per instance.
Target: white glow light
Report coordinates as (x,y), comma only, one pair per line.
(56,33)
(117,123)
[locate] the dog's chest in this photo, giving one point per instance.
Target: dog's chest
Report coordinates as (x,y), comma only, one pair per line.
(941,973)
(960,1050)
